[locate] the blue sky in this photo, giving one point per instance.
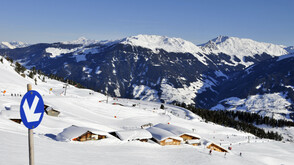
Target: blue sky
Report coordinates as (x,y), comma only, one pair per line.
(198,21)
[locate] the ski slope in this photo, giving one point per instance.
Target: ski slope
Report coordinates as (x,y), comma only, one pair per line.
(85,108)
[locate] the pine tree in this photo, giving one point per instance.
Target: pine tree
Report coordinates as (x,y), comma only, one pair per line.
(34,70)
(31,75)
(17,67)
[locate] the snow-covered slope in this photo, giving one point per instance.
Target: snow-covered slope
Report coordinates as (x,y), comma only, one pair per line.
(88,109)
(12,45)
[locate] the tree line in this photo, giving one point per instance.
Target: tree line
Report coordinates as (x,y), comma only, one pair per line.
(228,119)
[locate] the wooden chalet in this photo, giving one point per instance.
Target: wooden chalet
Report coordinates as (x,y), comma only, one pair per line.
(215,147)
(75,133)
(181,132)
(196,142)
(89,136)
(189,136)
(170,141)
(164,137)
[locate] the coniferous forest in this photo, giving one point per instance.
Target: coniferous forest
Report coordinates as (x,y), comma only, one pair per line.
(242,121)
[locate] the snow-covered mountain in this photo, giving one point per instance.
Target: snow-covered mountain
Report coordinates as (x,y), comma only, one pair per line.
(242,48)
(12,45)
(81,41)
(155,42)
(154,68)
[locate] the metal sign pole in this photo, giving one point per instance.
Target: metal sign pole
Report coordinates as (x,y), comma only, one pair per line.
(31,138)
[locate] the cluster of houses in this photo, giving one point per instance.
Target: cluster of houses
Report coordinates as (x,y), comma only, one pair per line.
(163,134)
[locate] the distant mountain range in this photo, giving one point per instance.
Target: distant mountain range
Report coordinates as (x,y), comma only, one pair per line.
(224,73)
(12,45)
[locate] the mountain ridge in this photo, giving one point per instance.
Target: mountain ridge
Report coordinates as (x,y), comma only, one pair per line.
(172,44)
(126,68)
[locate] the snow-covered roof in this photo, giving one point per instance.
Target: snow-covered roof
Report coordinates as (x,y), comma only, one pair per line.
(193,141)
(74,131)
(176,130)
(161,134)
(133,134)
(211,143)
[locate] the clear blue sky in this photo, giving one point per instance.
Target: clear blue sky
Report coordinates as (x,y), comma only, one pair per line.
(36,21)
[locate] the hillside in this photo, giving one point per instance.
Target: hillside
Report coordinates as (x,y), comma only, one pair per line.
(265,88)
(86,108)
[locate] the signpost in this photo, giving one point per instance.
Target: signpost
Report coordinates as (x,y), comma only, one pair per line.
(31,112)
